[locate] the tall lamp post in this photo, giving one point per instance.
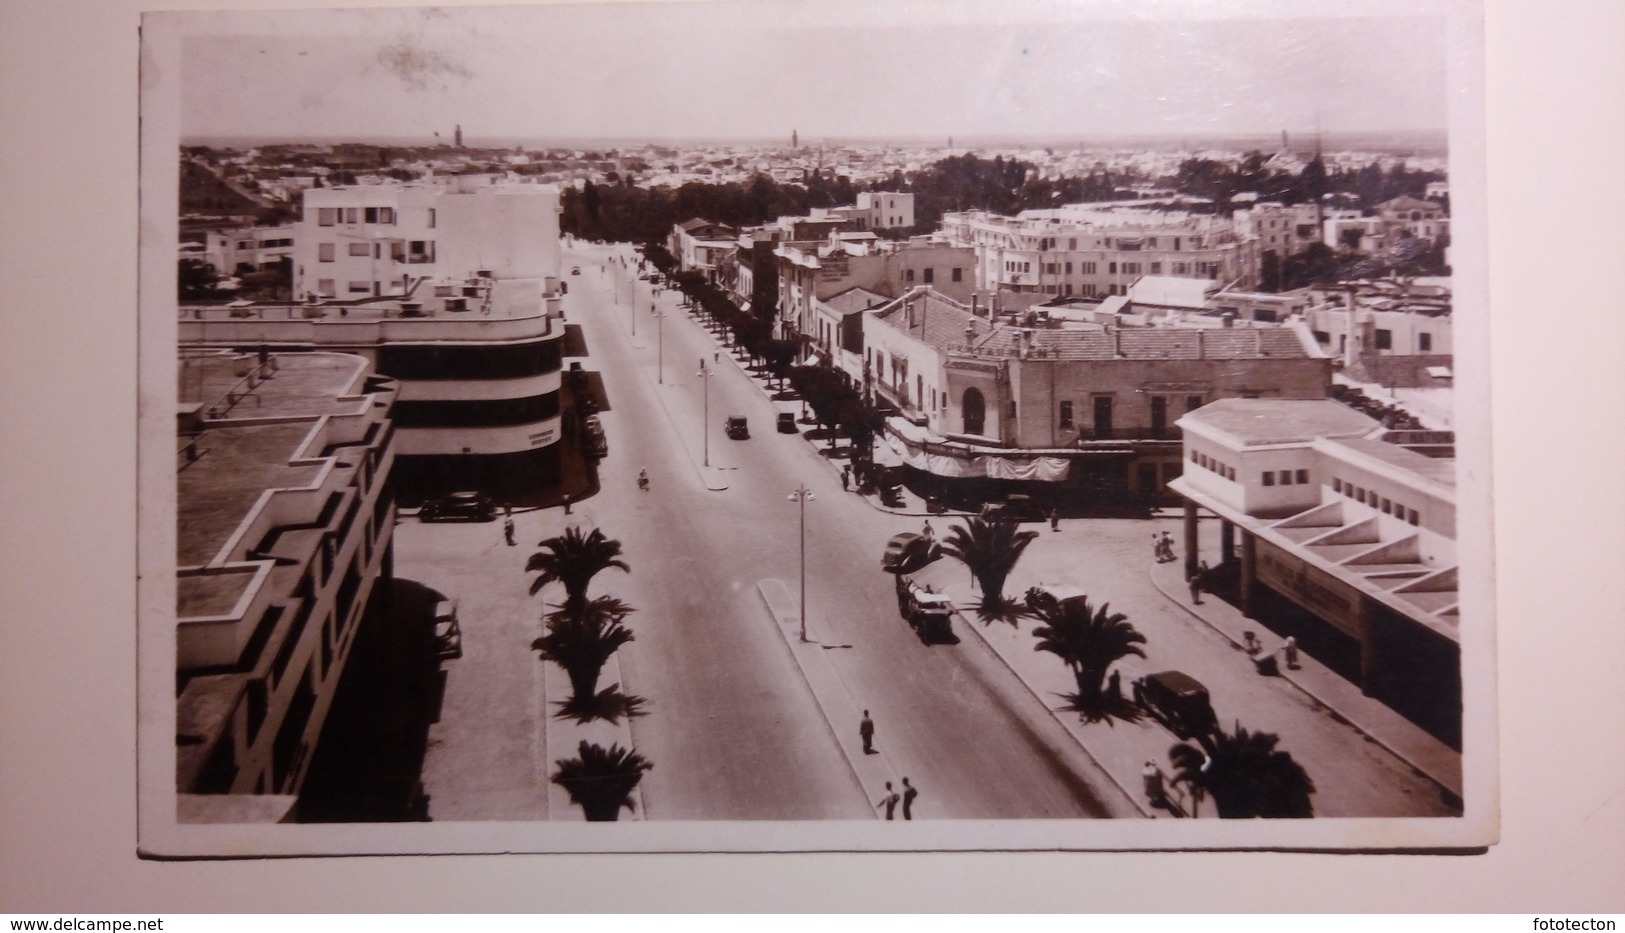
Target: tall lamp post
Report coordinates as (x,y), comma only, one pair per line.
(660,358)
(705,427)
(803,495)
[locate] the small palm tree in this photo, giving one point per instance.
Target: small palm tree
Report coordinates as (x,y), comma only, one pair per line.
(1245,774)
(573,559)
(1089,641)
(989,550)
(582,643)
(601,781)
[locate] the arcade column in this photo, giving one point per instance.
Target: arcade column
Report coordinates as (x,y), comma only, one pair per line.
(1249,573)
(1192,564)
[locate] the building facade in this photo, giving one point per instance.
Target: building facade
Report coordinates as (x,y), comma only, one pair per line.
(1095,253)
(284,533)
(1342,533)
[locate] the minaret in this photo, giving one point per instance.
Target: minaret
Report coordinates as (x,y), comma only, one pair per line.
(459,136)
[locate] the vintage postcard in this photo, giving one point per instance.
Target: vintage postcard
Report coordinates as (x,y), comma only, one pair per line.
(767,426)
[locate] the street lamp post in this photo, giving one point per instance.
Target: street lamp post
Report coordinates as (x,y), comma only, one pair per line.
(705,426)
(802,495)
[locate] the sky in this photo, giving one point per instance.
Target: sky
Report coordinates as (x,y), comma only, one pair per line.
(761,69)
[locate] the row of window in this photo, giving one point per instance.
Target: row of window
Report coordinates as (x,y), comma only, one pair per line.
(1381,503)
(328,288)
(411,252)
(1112,268)
(929,275)
(1049,243)
(1208,463)
(1285,477)
(329,216)
(266,244)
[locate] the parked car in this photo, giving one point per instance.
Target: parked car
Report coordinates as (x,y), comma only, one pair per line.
(459,506)
(1178,701)
(448,632)
(787,423)
(737,427)
(575,270)
(1014,508)
(1051,594)
(908,552)
(593,437)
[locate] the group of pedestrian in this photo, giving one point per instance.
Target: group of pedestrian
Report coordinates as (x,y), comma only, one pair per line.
(890,799)
(1162,547)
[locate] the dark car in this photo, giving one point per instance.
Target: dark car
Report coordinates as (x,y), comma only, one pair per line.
(459,506)
(593,437)
(575,270)
(1178,701)
(738,428)
(787,423)
(1015,508)
(448,632)
(908,552)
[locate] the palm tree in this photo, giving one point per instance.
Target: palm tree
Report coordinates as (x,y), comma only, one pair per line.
(1245,774)
(989,550)
(1090,641)
(573,559)
(601,781)
(581,643)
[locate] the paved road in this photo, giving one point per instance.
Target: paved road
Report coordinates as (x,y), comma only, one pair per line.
(734,730)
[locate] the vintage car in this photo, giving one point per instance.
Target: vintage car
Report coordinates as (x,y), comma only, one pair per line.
(1043,595)
(737,427)
(465,506)
(593,438)
(787,423)
(928,612)
(575,270)
(1178,701)
(448,632)
(908,552)
(1014,508)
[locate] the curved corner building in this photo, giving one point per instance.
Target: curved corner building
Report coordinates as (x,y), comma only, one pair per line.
(451,291)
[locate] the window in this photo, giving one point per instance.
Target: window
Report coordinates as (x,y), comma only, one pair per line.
(1286,477)
(360,249)
(1072,243)
(1387,506)
(327,216)
(1193,402)
(325,252)
(1303,477)
(1069,268)
(245,244)
(327,288)
(1385,339)
(1066,415)
(1196,457)
(1159,415)
(958,274)
(930,276)
(1103,416)
(1337,485)
(1181,268)
(360,288)
(1087,268)
(352,215)
(1111,268)
(1412,517)
(1156,268)
(908,275)
(372,215)
(1230,474)
(1424,342)
(1026,267)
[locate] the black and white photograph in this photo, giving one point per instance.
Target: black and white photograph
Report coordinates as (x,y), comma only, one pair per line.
(726,426)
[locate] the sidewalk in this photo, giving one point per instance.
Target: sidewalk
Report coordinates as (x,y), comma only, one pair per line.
(1402,738)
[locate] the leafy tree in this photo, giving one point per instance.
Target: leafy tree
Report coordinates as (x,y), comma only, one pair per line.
(601,781)
(1089,641)
(1245,774)
(573,559)
(582,643)
(989,550)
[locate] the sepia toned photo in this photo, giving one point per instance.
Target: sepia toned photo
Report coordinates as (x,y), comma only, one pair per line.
(755,426)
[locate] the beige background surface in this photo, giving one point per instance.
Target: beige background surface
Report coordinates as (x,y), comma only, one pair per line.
(68,120)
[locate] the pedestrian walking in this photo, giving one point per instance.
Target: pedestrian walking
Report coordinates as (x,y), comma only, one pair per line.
(866,731)
(927,530)
(1289,653)
(1155,790)
(1250,642)
(567,503)
(716,356)
(1156,547)
(889,801)
(1054,519)
(507,529)
(1196,588)
(846,477)
(909,793)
